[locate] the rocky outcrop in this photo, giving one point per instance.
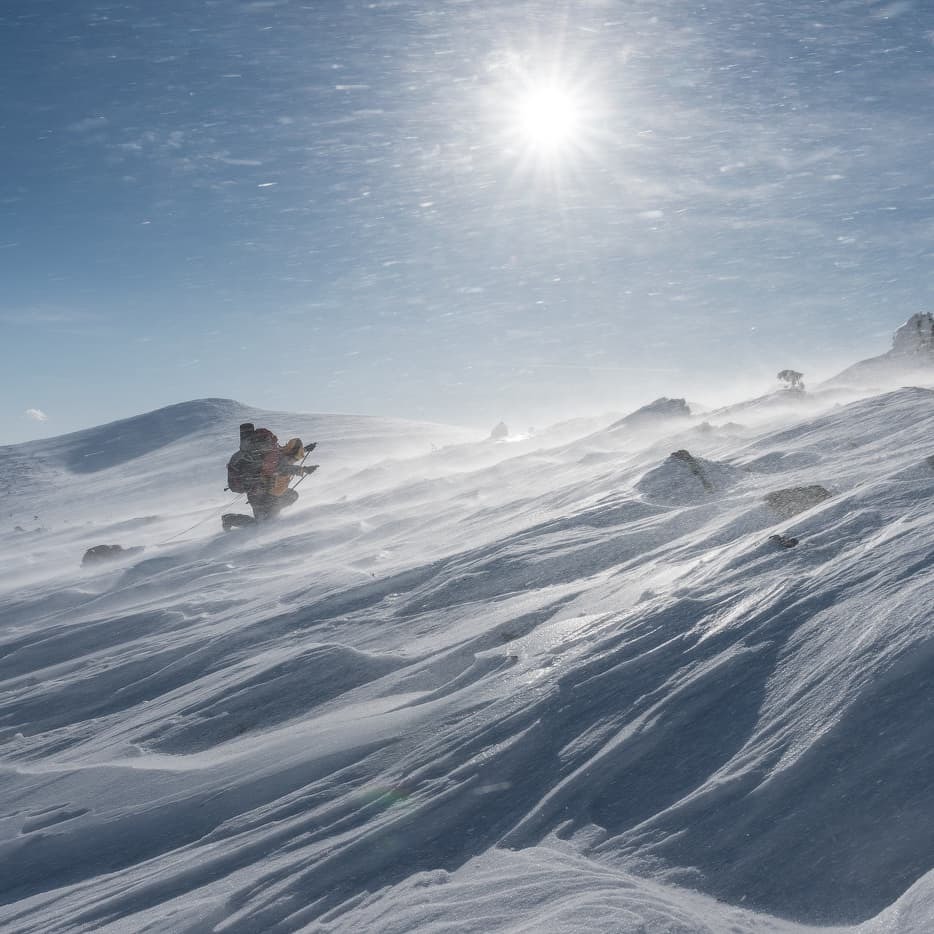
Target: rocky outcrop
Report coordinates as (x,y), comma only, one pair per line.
(789,502)
(101,553)
(694,466)
(660,412)
(783,541)
(915,337)
(911,359)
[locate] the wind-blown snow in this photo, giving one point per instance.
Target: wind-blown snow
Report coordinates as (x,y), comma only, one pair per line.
(563,684)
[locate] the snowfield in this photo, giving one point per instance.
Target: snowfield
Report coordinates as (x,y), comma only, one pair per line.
(566,683)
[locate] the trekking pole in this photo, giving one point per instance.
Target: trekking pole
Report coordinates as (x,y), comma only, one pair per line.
(302,464)
(213,514)
(302,477)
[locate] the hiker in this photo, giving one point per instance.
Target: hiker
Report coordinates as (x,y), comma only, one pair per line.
(262,469)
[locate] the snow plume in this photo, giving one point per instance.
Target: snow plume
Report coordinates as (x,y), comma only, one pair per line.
(36,415)
(598,682)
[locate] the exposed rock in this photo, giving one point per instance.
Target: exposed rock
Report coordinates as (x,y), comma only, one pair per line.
(100,553)
(783,541)
(657,412)
(791,501)
(499,432)
(915,336)
(682,479)
(693,466)
(911,358)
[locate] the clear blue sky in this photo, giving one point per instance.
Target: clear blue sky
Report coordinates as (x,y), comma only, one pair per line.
(452,210)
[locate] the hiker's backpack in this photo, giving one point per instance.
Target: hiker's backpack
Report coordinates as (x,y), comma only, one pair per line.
(243,471)
(245,468)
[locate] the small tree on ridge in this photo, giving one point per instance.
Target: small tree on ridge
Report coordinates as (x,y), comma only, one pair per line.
(793,378)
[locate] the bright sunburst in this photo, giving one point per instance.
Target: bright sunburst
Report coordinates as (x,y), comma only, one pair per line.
(548,117)
(549,120)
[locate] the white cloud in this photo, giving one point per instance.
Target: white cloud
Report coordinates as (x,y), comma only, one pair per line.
(229,160)
(88,124)
(37,414)
(891,10)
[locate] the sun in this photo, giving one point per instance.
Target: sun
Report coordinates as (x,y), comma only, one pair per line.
(548,118)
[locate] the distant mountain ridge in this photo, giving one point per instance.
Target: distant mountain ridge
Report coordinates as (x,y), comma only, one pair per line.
(92,449)
(911,358)
(910,361)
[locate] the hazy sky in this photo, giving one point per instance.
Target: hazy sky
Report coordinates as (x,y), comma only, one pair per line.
(461,210)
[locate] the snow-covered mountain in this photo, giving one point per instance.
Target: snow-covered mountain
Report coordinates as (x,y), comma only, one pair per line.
(675,678)
(911,359)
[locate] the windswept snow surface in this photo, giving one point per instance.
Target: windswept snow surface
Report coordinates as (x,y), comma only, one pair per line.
(567,684)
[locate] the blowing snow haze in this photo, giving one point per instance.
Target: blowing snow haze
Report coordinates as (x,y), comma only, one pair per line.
(451,211)
(663,671)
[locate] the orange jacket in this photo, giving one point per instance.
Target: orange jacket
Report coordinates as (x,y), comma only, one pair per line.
(278,467)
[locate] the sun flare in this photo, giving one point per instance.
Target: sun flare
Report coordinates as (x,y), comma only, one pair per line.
(548,117)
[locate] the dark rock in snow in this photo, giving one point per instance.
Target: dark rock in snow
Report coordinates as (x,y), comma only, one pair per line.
(791,501)
(688,458)
(682,479)
(915,336)
(784,541)
(658,412)
(99,553)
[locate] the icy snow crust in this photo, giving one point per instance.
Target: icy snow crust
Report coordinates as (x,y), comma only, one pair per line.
(556,685)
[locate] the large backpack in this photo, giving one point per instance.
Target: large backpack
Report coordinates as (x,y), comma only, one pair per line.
(245,468)
(243,471)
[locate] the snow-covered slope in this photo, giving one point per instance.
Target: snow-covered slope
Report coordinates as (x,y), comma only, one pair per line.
(910,360)
(148,479)
(566,685)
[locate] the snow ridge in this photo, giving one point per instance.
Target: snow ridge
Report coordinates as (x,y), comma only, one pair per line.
(568,683)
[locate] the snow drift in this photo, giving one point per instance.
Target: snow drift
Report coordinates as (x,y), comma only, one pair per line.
(561,685)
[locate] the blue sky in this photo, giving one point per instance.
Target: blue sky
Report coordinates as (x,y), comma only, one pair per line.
(346,206)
